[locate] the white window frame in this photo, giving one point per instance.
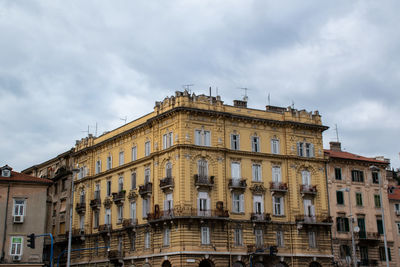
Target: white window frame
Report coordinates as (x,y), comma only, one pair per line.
(147,174)
(205,235)
(306,177)
(109,162)
(169,202)
(120,183)
(96,219)
(121,158)
(82,222)
(134,153)
(275,146)
(256,170)
(147,148)
(145,207)
(259,237)
(280,241)
(202,138)
(255,144)
(132,210)
(258,204)
(98,166)
(133,179)
(107,217)
(278,204)
(18,246)
(276,174)
(17,207)
(312,242)
(203,204)
(167,236)
(120,213)
(235,141)
(147,240)
(168,170)
(202,168)
(237,202)
(238,237)
(108,187)
(235,170)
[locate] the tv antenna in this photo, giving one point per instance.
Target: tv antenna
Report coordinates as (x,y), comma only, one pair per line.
(337,133)
(292,104)
(187,87)
(124,119)
(245,97)
(87,131)
(269,99)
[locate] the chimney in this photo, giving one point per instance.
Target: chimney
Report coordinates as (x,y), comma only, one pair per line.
(240,103)
(335,146)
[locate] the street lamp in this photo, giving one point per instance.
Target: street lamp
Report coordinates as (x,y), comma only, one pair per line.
(376,169)
(347,189)
(74,171)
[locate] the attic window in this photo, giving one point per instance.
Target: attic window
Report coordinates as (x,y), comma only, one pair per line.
(6,173)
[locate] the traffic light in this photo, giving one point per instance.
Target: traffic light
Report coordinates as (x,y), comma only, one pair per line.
(31,241)
(273,250)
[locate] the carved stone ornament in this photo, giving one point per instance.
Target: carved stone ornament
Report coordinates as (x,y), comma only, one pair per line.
(257,189)
(132,196)
(107,203)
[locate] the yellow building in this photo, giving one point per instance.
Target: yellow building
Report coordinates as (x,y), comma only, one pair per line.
(200,183)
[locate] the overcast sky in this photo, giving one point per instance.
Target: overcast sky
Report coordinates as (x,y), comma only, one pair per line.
(65,65)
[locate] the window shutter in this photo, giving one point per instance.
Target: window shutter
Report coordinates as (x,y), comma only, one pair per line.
(241,202)
(311,150)
(298,149)
(346,224)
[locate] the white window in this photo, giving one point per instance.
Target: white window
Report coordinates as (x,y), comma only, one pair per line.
(120,243)
(168,140)
(202,168)
(107,219)
(96,219)
(108,188)
(235,141)
(237,202)
(97,191)
(134,153)
(82,222)
(311,240)
(238,237)
(256,172)
(16,246)
(203,204)
(397,207)
(258,204)
(147,240)
(147,175)
(164,141)
(235,170)
(167,234)
(121,158)
(168,204)
(133,241)
(279,239)
(120,183)
(305,149)
(109,162)
(205,235)
(306,177)
(255,144)
(146,207)
(147,148)
(120,209)
(133,180)
(19,207)
(168,170)
(259,237)
(275,146)
(132,210)
(309,150)
(202,138)
(276,174)
(98,166)
(309,209)
(278,206)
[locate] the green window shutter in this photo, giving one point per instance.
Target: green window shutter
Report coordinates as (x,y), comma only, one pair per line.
(339,197)
(380,226)
(346,224)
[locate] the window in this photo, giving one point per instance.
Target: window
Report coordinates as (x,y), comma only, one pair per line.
(82,197)
(375,177)
(256,172)
(259,237)
(168,170)
(255,144)
(276,174)
(237,202)
(19,207)
(55,209)
(344,251)
(275,146)
(235,170)
(107,219)
(168,204)
(202,138)
(97,191)
(108,188)
(120,243)
(63,185)
(132,210)
(120,214)
(278,206)
(205,235)
(167,140)
(134,153)
(133,180)
(82,222)
(397,208)
(311,240)
(109,162)
(147,175)
(98,166)
(167,233)
(145,207)
(279,239)
(305,149)
(342,224)
(379,225)
(338,173)
(382,254)
(364,253)
(361,225)
(377,200)
(306,177)
(398,227)
(96,219)
(357,176)
(258,204)
(147,148)
(203,204)
(121,158)
(309,150)
(133,241)
(359,199)
(16,246)
(147,240)
(235,141)
(339,197)
(202,168)
(120,183)
(238,237)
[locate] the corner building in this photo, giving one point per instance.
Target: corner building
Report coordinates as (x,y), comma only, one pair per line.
(200,183)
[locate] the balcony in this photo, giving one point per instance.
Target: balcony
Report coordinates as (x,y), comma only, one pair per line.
(203,181)
(115,255)
(365,237)
(278,187)
(257,248)
(306,189)
(104,228)
(145,189)
(238,184)
(314,219)
(80,207)
(167,183)
(78,232)
(119,197)
(96,202)
(128,224)
(260,217)
(367,262)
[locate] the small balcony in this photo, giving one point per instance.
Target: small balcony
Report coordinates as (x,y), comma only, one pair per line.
(104,228)
(306,189)
(260,217)
(80,207)
(314,219)
(95,203)
(119,197)
(187,212)
(203,181)
(368,236)
(238,184)
(77,232)
(146,189)
(167,183)
(128,224)
(278,187)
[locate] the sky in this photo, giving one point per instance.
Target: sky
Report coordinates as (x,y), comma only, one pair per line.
(67,65)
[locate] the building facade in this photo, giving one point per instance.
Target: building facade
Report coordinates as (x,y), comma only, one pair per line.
(357,189)
(23,212)
(393,178)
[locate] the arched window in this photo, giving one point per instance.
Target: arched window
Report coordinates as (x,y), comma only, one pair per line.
(306,177)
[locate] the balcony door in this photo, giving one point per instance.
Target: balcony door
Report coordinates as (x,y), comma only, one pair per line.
(309,209)
(203,204)
(235,171)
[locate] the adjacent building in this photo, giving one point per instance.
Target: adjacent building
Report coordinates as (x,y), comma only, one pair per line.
(393,178)
(357,189)
(200,183)
(23,212)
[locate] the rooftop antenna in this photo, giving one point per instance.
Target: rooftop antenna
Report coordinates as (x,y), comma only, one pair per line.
(217,91)
(86,131)
(269,99)
(292,104)
(337,133)
(95,132)
(124,119)
(245,97)
(187,87)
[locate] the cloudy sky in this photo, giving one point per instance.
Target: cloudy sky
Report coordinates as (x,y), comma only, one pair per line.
(65,65)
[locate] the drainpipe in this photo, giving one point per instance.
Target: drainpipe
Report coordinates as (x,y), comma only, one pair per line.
(5,224)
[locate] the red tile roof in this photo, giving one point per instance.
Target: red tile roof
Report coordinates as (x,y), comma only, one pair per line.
(395,195)
(24,178)
(350,156)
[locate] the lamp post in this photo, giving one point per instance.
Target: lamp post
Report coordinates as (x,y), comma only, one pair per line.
(74,171)
(376,169)
(353,244)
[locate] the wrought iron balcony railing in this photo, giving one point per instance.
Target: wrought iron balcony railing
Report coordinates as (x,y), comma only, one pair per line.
(129,223)
(80,207)
(278,187)
(179,212)
(237,184)
(145,189)
(104,228)
(203,181)
(314,219)
(308,189)
(260,217)
(167,183)
(119,197)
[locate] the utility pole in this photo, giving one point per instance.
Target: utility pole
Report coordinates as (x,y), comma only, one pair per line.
(74,171)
